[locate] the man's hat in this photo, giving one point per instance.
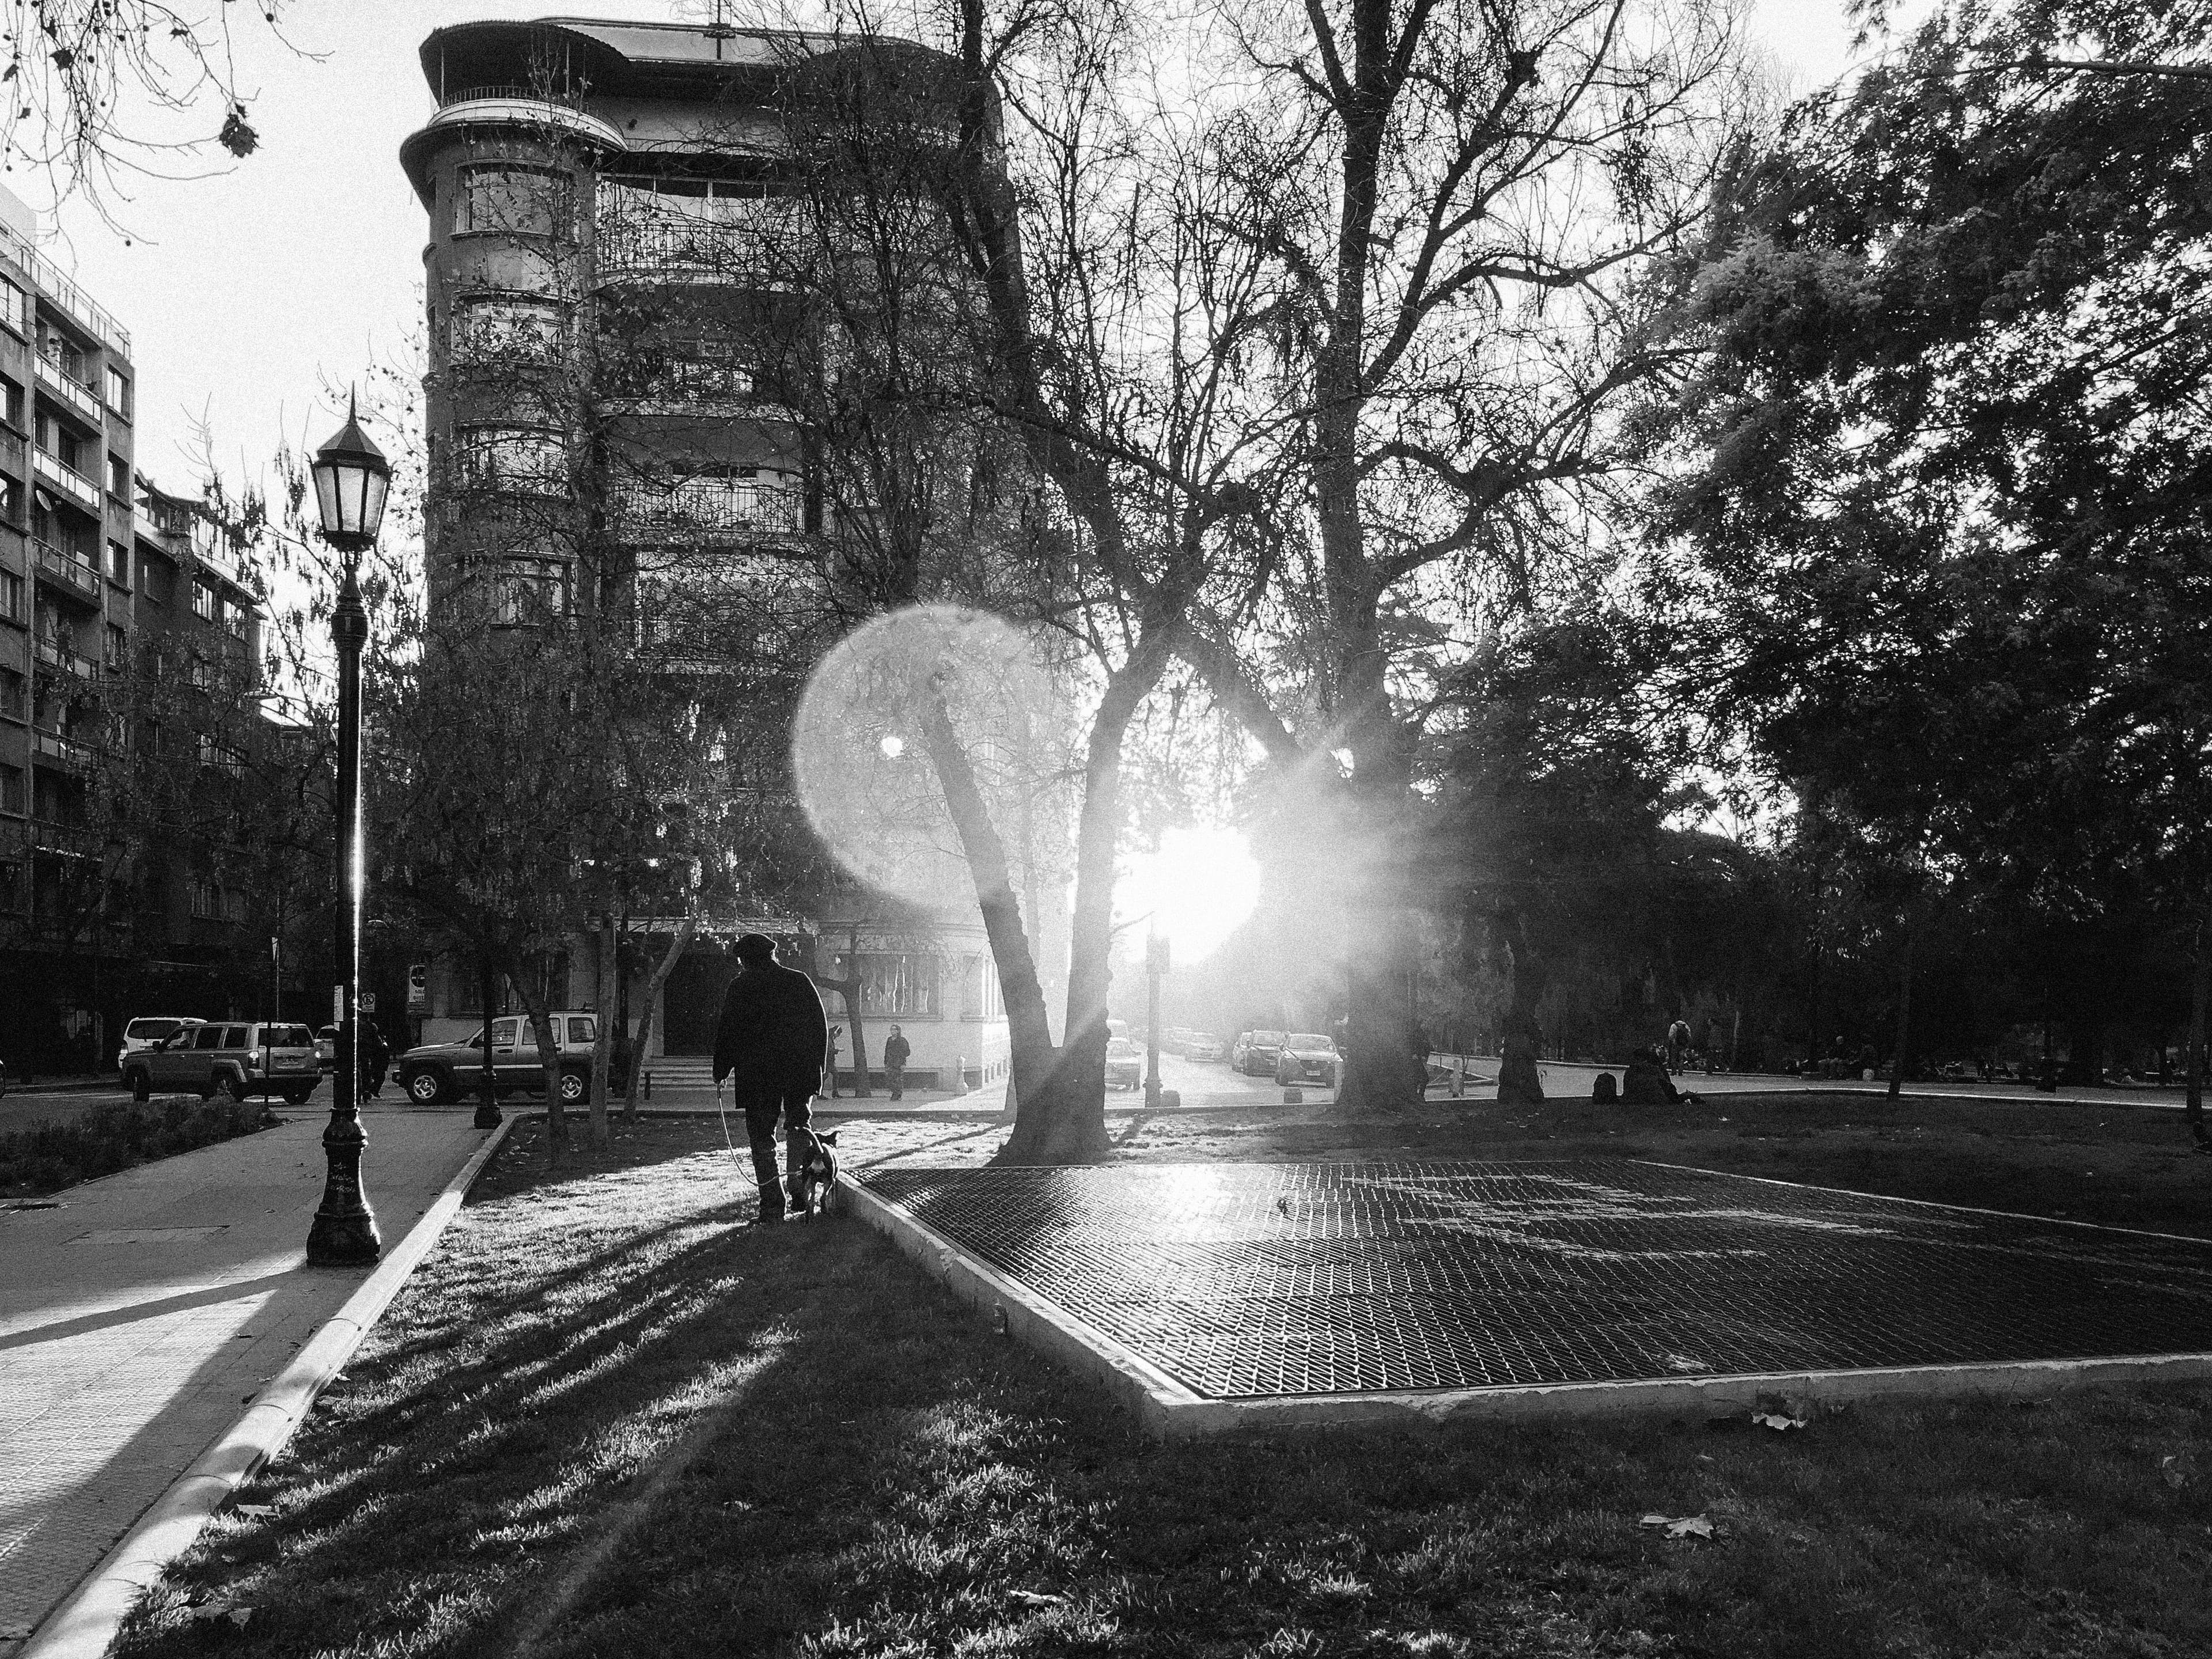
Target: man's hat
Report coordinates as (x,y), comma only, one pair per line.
(754,947)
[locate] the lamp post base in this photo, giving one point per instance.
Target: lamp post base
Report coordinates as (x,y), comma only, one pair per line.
(345,1231)
(487,1116)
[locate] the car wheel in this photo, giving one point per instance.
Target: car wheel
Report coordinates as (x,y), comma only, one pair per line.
(297,1097)
(426,1088)
(574,1085)
(231,1088)
(1285,1076)
(142,1087)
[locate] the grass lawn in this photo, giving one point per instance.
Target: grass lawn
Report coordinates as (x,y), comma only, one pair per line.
(601,1420)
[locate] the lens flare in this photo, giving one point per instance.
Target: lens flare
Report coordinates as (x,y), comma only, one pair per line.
(862,750)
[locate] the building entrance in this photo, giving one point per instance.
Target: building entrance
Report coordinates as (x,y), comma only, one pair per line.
(691,1001)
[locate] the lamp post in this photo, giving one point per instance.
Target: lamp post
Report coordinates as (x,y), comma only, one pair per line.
(1156,965)
(351,476)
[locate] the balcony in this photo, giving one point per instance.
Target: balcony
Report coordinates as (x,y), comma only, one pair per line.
(65,840)
(65,752)
(73,574)
(709,510)
(83,399)
(734,240)
(58,656)
(67,479)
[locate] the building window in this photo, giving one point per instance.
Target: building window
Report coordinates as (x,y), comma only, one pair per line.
(201,673)
(156,581)
(980,997)
(119,477)
(11,396)
(206,900)
(14,691)
(234,616)
(513,201)
(118,564)
(11,886)
(514,459)
(526,592)
(15,306)
(899,984)
(118,395)
(119,648)
(11,786)
(215,753)
(11,596)
(203,600)
(505,329)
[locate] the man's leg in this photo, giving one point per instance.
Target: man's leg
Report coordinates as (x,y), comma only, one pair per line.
(897,1081)
(760,1129)
(797,1114)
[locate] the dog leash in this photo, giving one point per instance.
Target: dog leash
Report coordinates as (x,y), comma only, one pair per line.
(726,1141)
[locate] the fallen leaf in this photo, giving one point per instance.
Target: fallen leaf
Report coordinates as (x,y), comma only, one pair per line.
(2175,1468)
(1779,1424)
(254,1508)
(238,1616)
(1034,1598)
(1679,1526)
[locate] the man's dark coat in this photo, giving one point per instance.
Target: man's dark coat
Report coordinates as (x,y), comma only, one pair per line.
(773,1033)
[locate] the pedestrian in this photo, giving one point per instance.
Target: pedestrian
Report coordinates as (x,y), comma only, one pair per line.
(769,1044)
(896,1050)
(1678,1043)
(1646,1083)
(375,1056)
(831,1068)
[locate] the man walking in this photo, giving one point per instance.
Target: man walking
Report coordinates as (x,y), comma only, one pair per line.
(770,1043)
(896,1049)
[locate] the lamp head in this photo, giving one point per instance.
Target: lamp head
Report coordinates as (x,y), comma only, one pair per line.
(352,478)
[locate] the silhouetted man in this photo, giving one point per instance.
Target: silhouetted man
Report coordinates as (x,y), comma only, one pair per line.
(896,1050)
(770,1043)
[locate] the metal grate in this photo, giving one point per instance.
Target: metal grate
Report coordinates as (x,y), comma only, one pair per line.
(1244,1280)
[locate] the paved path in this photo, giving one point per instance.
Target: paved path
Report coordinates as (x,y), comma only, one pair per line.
(139,1316)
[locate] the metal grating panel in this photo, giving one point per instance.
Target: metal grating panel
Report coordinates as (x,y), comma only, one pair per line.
(1245,1279)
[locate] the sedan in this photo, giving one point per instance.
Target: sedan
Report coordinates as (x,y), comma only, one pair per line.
(1255,1051)
(1305,1055)
(1204,1045)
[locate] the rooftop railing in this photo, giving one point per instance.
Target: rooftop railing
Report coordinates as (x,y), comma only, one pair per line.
(62,291)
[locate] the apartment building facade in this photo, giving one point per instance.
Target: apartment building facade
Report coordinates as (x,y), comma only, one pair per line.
(604,200)
(97,571)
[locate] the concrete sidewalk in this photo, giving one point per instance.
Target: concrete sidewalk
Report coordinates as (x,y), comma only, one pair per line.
(141,1316)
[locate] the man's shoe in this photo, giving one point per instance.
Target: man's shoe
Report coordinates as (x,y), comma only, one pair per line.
(766,1217)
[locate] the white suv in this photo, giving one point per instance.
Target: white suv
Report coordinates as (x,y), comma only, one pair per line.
(151,1032)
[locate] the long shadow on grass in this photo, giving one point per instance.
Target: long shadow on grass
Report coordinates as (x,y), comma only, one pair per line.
(680,1439)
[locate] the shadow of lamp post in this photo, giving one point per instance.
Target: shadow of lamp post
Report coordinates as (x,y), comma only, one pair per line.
(351,476)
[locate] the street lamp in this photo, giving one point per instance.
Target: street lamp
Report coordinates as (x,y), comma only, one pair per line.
(351,476)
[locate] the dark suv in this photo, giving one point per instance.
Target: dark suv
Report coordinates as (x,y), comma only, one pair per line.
(436,1073)
(238,1059)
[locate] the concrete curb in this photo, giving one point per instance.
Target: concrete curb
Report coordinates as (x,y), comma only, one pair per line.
(84,1625)
(1169,1410)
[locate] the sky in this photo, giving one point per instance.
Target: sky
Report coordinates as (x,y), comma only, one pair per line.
(253,289)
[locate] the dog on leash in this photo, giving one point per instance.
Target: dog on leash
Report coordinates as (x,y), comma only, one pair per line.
(814,1189)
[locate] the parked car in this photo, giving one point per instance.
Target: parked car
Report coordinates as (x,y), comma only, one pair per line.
(1204,1045)
(238,1059)
(436,1073)
(150,1031)
(1255,1051)
(1306,1055)
(1124,1063)
(326,1047)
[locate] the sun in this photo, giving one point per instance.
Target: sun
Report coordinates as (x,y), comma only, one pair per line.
(1196,889)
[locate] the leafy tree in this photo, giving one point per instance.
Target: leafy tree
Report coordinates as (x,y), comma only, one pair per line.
(1942,475)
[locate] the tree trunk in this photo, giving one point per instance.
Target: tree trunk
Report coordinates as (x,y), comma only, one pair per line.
(2200,980)
(1904,1010)
(685,931)
(549,1058)
(849,988)
(603,1006)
